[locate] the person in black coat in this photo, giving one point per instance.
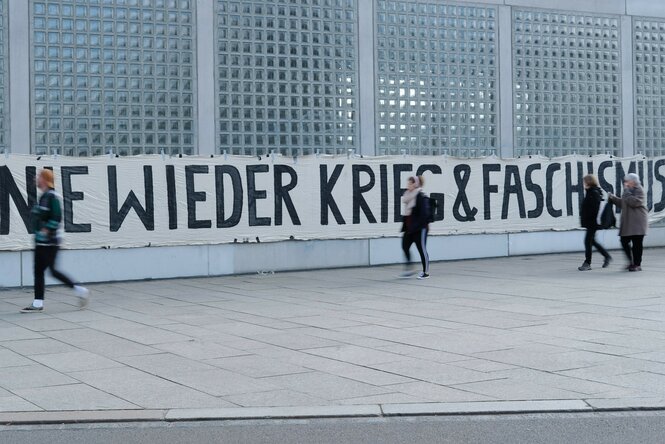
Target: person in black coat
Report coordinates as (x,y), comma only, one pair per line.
(588,218)
(416,224)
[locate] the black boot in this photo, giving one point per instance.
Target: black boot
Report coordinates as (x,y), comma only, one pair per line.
(607,261)
(585,266)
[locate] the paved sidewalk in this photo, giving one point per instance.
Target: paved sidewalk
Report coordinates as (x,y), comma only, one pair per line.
(476,332)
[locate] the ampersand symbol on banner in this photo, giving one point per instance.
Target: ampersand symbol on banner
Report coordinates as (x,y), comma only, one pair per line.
(461,174)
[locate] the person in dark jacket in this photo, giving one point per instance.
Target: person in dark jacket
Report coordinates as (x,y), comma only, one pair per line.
(634,220)
(416,224)
(589,219)
(46,219)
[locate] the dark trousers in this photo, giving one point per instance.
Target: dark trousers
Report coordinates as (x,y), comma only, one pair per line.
(45,258)
(590,242)
(634,254)
(420,239)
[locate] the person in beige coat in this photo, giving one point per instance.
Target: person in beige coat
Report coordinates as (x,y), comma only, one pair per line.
(634,219)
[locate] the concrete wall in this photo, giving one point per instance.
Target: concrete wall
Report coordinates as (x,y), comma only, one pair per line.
(216,260)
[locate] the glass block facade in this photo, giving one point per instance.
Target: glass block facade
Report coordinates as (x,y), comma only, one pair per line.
(113,75)
(4,105)
(649,71)
(287,76)
(567,83)
(436,78)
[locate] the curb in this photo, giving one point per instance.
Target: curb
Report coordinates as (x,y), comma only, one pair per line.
(81,416)
(258,413)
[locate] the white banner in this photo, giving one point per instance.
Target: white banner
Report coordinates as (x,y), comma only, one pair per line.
(150,201)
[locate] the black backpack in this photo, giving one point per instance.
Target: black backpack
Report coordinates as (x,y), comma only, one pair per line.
(606,218)
(433,207)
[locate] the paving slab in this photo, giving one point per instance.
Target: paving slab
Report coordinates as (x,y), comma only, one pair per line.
(73,397)
(16,404)
(508,334)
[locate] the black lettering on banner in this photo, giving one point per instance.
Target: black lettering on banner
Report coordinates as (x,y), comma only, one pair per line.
(549,189)
(487,188)
(194,196)
(604,184)
(31,184)
(536,189)
(236,185)
(649,181)
(8,188)
(431,167)
(359,201)
(146,215)
(589,167)
(574,188)
(282,194)
(398,191)
(383,179)
(513,185)
(462,174)
(327,200)
(253,195)
(68,198)
(640,173)
(660,205)
(171,197)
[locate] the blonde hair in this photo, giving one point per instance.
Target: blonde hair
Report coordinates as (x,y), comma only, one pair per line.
(591,180)
(47,177)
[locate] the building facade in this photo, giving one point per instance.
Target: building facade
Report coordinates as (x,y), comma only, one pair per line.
(297,77)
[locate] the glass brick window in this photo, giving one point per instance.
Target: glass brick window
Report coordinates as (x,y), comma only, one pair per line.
(287,76)
(436,88)
(113,75)
(567,83)
(4,106)
(649,70)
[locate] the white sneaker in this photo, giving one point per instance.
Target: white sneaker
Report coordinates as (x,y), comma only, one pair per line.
(83,294)
(423,276)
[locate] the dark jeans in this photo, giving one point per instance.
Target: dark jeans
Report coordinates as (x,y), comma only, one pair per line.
(45,258)
(635,254)
(420,239)
(590,242)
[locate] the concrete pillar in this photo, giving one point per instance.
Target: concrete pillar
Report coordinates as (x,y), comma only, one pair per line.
(205,77)
(19,77)
(507,139)
(366,77)
(627,89)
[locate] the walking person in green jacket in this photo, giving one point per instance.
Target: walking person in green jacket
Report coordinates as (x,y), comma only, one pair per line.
(46,218)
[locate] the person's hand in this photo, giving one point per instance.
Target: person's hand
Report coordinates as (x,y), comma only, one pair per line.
(45,231)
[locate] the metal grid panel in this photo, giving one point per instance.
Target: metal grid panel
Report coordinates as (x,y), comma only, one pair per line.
(649,53)
(436,88)
(567,83)
(287,76)
(113,75)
